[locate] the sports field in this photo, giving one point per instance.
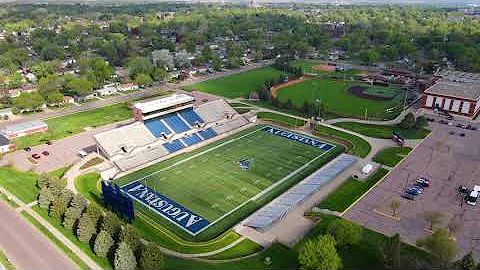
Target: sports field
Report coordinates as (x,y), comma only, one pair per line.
(338,100)
(211,182)
(237,85)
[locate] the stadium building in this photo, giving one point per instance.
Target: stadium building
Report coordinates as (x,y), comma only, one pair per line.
(455,92)
(166,126)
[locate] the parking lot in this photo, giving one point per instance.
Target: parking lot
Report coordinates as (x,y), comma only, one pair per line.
(62,153)
(448,160)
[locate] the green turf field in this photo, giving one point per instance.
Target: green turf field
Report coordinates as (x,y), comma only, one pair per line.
(211,182)
(336,99)
(237,85)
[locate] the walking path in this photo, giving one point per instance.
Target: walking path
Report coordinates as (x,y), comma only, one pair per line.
(76,250)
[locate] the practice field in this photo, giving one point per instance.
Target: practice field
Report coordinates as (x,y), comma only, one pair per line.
(211,183)
(237,85)
(338,100)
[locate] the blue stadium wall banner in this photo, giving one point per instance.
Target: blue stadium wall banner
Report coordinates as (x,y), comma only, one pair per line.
(169,209)
(299,138)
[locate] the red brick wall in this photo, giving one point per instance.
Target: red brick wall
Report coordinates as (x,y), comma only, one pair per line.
(137,114)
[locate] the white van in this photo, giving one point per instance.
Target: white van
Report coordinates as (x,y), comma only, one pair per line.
(82,153)
(473,196)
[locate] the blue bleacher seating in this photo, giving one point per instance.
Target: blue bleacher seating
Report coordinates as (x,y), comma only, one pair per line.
(174,122)
(174,146)
(191,117)
(207,133)
(191,140)
(157,127)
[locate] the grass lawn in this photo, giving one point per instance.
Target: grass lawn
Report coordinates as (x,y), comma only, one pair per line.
(282,119)
(336,99)
(55,241)
(354,145)
(367,253)
(350,191)
(391,156)
(5,262)
(21,184)
(244,248)
(87,186)
(384,131)
(237,85)
(69,125)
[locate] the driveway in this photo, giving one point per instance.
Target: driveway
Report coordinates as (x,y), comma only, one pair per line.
(449,160)
(26,247)
(63,152)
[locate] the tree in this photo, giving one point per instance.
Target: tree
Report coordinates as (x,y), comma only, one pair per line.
(94,212)
(346,233)
(182,59)
(124,257)
(394,205)
(56,185)
(467,262)
(73,213)
(42,69)
(408,122)
(103,244)
(217,63)
(369,56)
(439,244)
(320,253)
(66,196)
(391,251)
(57,209)
(454,225)
(163,59)
(45,198)
(130,236)
(43,180)
(86,229)
(79,86)
(143,79)
(151,257)
(54,98)
(139,65)
(28,101)
(112,224)
(433,218)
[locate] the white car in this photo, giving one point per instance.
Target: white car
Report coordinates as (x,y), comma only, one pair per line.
(473,196)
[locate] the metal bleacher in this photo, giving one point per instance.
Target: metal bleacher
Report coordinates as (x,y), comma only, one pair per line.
(156,127)
(191,117)
(192,139)
(174,146)
(207,133)
(176,123)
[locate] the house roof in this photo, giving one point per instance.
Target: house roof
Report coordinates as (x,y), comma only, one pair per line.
(464,90)
(4,140)
(12,129)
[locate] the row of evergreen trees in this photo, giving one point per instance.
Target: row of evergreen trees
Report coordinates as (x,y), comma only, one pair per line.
(108,236)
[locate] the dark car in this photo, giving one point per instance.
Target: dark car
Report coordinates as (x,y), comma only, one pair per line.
(429,119)
(423,182)
(36,156)
(462,134)
(449,117)
(45,153)
(451,132)
(463,190)
(414,190)
(48,143)
(445,122)
(27,149)
(408,196)
(460,126)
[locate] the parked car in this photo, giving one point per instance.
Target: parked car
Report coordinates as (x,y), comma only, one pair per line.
(408,196)
(48,143)
(45,153)
(429,119)
(463,190)
(473,196)
(27,149)
(462,134)
(413,191)
(82,153)
(445,122)
(423,182)
(36,156)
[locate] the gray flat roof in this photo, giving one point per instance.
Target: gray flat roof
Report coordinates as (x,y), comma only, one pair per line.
(464,90)
(23,126)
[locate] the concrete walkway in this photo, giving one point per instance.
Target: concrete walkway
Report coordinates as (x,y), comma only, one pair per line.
(75,171)
(73,247)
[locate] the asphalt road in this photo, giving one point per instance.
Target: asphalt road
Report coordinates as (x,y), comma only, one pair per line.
(26,247)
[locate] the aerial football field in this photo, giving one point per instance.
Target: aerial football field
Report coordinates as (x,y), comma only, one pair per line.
(210,181)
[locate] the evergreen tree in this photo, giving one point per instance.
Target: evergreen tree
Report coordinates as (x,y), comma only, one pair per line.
(124,257)
(43,180)
(94,212)
(66,196)
(45,198)
(151,257)
(57,209)
(103,244)
(85,229)
(55,185)
(112,224)
(391,252)
(130,236)
(467,262)
(79,202)
(71,216)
